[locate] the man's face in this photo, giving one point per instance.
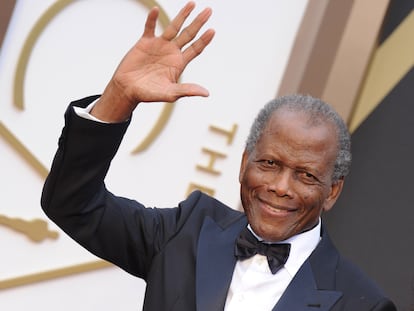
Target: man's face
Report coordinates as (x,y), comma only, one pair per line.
(286,182)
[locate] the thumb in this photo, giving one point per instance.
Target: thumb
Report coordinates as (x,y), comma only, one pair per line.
(191,89)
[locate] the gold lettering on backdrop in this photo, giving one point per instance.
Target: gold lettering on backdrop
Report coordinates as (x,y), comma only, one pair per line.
(214,155)
(227,133)
(36,229)
(194,186)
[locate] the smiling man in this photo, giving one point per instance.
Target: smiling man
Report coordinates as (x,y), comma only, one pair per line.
(203,255)
(292,169)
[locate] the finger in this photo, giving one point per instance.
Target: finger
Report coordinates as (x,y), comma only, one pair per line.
(191,30)
(174,27)
(189,89)
(150,23)
(198,46)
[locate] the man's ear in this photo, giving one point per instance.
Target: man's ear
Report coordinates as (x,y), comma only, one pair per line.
(336,189)
(243,165)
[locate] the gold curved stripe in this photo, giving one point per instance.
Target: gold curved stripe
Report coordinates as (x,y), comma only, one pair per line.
(23,151)
(391,61)
(38,28)
(156,129)
(28,48)
(53,274)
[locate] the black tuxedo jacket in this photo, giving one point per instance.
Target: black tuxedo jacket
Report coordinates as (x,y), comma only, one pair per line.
(186,253)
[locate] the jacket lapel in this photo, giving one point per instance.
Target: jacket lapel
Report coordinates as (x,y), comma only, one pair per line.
(311,288)
(302,293)
(215,263)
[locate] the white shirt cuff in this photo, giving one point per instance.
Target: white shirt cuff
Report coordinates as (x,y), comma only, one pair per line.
(85,112)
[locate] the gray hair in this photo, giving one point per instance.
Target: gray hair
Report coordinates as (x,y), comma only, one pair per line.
(318,111)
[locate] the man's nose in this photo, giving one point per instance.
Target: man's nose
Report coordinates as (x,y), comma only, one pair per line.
(281,183)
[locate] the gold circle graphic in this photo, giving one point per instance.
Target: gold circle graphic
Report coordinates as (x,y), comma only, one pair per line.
(34,35)
(20,73)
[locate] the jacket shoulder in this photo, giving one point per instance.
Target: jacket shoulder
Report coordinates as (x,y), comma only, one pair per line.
(358,288)
(333,271)
(205,205)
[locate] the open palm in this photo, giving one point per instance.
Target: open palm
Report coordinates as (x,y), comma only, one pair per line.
(150,71)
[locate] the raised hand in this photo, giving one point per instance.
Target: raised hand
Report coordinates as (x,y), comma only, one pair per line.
(150,71)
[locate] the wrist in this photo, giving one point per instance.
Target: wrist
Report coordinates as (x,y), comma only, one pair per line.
(113,106)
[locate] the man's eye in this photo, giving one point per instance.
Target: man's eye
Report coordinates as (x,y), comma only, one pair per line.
(308,176)
(267,163)
(270,163)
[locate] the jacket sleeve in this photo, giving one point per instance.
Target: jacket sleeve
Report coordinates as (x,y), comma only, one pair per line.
(74,196)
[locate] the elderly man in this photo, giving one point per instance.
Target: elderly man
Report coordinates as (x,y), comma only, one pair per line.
(203,255)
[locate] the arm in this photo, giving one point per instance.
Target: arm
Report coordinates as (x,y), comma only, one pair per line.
(74,195)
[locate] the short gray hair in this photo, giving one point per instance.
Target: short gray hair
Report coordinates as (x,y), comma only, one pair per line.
(318,111)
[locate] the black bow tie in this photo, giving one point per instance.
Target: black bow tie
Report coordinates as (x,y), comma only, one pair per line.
(247,246)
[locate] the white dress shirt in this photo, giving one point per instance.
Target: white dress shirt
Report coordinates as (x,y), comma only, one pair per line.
(254,287)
